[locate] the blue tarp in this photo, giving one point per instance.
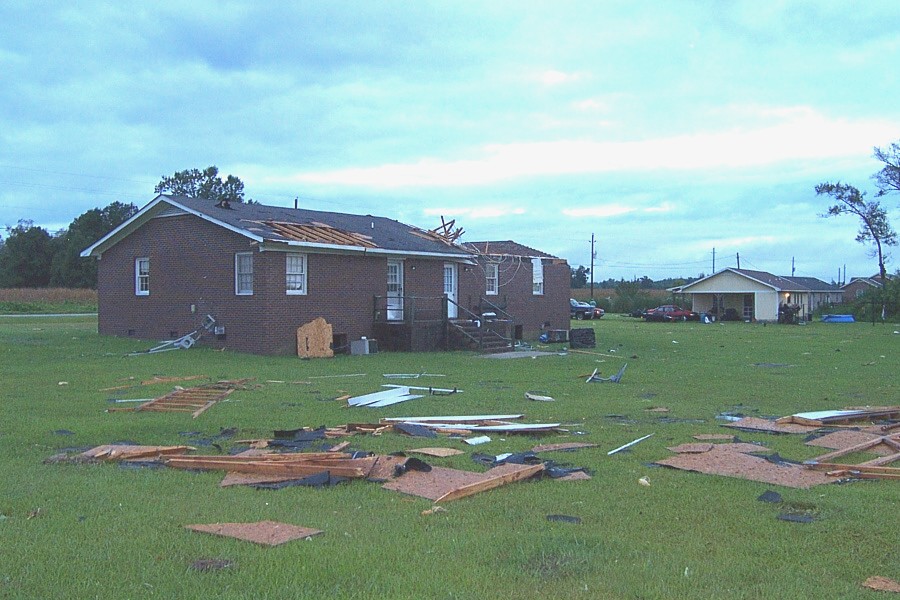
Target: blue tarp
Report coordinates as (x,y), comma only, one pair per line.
(838,319)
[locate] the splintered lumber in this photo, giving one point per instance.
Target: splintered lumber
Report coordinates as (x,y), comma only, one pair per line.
(890,441)
(496,427)
(494,478)
(629,444)
(127,452)
(858,471)
(314,340)
(442,484)
(299,465)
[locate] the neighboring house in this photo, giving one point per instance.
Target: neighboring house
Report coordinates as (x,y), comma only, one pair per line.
(263,271)
(757,295)
(858,286)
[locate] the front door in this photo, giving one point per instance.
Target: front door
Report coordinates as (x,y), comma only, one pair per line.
(451,290)
(395,290)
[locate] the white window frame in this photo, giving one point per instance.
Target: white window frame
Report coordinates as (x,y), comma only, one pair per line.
(537,277)
(246,290)
(295,274)
(491,279)
(142,276)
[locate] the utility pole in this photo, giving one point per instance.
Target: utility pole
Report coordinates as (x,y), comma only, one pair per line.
(714,259)
(739,260)
(844,280)
(792,266)
(593,256)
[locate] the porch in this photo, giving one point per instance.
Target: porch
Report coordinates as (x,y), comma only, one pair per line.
(424,324)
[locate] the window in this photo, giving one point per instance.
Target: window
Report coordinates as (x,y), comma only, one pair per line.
(142,276)
(537,277)
(295,274)
(492,279)
(243,274)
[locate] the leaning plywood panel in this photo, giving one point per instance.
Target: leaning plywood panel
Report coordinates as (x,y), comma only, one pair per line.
(314,339)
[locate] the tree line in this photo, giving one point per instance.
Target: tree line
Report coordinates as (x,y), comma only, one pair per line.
(32,257)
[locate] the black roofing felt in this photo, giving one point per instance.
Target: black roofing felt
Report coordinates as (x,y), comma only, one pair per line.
(385,233)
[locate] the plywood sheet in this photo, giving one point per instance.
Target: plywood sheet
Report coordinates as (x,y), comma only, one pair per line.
(443,483)
(722,460)
(757,424)
(314,339)
(268,533)
(714,437)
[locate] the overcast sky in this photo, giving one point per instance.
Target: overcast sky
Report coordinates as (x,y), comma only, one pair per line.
(665,129)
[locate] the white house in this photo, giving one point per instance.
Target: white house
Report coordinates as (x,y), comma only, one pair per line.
(757,296)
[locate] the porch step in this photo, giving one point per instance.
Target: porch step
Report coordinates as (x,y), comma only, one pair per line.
(465,334)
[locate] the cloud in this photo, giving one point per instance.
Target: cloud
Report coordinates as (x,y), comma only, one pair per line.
(800,134)
(479,212)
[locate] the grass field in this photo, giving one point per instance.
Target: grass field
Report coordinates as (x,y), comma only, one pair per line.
(47,301)
(102,531)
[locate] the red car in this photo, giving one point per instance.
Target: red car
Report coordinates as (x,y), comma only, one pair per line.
(670,312)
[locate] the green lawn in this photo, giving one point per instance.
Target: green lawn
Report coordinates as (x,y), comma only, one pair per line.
(102,531)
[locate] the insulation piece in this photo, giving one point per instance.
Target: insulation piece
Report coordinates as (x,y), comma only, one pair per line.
(267,533)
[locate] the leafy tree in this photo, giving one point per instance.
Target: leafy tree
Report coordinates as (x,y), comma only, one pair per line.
(630,296)
(874,226)
(579,278)
(67,268)
(207,184)
(25,256)
(888,178)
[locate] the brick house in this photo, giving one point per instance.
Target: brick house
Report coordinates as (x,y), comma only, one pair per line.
(263,271)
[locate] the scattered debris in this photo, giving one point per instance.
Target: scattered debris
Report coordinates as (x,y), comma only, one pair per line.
(595,376)
(757,424)
(211,564)
(194,400)
(770,497)
(644,481)
(184,342)
(836,417)
(314,339)
(564,518)
(538,397)
(582,338)
(154,380)
(433,511)
(443,484)
(438,452)
(871,469)
(562,446)
(414,429)
(410,375)
(339,464)
(454,419)
(628,445)
(115,452)
(267,533)
(845,438)
(714,437)
(882,584)
(475,441)
(733,460)
(657,409)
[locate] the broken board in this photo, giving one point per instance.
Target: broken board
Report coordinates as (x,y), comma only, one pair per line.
(443,484)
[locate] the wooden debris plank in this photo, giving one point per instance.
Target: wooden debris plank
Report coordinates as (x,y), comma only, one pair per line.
(438,452)
(861,447)
(494,478)
(358,467)
(453,419)
(127,452)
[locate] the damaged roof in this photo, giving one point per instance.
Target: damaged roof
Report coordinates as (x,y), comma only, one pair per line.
(293,227)
(506,248)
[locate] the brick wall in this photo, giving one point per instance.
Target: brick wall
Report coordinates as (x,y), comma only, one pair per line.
(192,265)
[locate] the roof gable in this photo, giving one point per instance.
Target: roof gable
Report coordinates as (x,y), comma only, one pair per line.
(729,276)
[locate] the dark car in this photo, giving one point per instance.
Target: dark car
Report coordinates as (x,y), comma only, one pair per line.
(583,310)
(670,312)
